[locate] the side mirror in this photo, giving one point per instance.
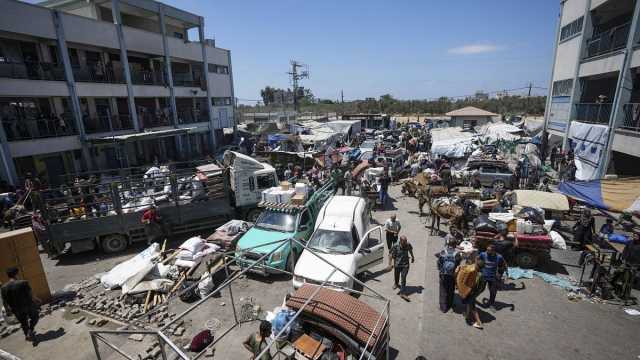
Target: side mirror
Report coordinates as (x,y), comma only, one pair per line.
(303,228)
(364,251)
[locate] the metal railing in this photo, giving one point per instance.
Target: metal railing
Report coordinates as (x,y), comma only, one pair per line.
(147,77)
(191,117)
(154,118)
(105,124)
(28,129)
(631,119)
(98,72)
(595,113)
(608,41)
(32,70)
(185,79)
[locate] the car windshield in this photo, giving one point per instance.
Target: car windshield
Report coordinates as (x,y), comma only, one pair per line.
(332,242)
(274,220)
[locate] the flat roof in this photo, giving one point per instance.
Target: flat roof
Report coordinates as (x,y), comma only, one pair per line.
(470,111)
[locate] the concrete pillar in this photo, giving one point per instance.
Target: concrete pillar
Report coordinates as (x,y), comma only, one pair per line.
(205,65)
(7,167)
(624,87)
(550,92)
(167,67)
(233,98)
(117,20)
(576,92)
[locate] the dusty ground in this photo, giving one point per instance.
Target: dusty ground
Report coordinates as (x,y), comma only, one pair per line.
(534,322)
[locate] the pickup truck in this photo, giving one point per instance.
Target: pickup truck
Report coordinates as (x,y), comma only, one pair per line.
(197,200)
(276,223)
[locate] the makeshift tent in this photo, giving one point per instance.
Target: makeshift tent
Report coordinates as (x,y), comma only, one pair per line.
(614,195)
(541,199)
(588,142)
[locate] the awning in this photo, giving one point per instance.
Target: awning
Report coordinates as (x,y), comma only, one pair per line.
(146,135)
(542,199)
(614,195)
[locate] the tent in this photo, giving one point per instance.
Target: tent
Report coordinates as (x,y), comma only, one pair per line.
(614,195)
(541,199)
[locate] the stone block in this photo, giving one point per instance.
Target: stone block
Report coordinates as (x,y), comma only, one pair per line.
(136,337)
(80,319)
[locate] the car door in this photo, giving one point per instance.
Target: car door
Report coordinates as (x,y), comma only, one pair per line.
(370,252)
(305,226)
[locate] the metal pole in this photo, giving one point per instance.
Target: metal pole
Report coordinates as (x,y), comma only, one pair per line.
(161,343)
(366,345)
(115,348)
(233,304)
(172,345)
(95,346)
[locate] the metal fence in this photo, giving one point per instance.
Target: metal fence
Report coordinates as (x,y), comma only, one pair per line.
(106,124)
(631,117)
(28,129)
(595,113)
(32,70)
(607,41)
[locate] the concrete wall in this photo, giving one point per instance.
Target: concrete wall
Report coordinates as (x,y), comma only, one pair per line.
(143,41)
(43,146)
(566,57)
(572,10)
(635,58)
(187,91)
(596,3)
(185,50)
(601,66)
(626,142)
(88,31)
(220,85)
(22,87)
(217,56)
(150,91)
(101,90)
(23,18)
(88,11)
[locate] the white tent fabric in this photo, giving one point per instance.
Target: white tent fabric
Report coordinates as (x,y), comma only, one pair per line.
(590,141)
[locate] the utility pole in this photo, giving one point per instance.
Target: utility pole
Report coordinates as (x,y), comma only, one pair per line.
(295,77)
(528,97)
(342,96)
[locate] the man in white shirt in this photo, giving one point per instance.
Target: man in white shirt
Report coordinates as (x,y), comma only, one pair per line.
(392,229)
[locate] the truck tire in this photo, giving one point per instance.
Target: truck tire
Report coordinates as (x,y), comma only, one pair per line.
(114,243)
(526,259)
(252,215)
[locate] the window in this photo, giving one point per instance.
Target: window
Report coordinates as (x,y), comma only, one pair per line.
(252,184)
(218,69)
(571,29)
(304,218)
(562,87)
(221,101)
(333,242)
(265,181)
(178,35)
(275,220)
(489,170)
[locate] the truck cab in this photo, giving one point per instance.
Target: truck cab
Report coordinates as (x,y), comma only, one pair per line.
(275,224)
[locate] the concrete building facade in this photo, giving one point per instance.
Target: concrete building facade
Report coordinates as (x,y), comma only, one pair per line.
(596,80)
(100,84)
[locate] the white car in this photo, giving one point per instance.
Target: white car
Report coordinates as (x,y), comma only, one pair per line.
(341,239)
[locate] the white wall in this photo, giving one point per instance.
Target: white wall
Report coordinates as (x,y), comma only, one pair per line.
(189,51)
(143,41)
(22,18)
(22,87)
(150,91)
(566,58)
(220,85)
(101,90)
(601,66)
(44,146)
(596,3)
(217,56)
(187,91)
(88,31)
(572,10)
(635,58)
(627,144)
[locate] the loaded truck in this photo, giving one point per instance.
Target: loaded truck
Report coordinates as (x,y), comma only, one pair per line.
(108,216)
(280,222)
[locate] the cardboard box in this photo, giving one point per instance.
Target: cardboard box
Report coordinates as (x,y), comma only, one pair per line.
(298,199)
(285,185)
(19,249)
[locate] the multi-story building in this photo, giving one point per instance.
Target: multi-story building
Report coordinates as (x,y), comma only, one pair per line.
(98,84)
(595,84)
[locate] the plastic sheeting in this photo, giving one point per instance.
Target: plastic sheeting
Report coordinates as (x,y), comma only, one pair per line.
(516,273)
(614,195)
(131,271)
(541,199)
(589,144)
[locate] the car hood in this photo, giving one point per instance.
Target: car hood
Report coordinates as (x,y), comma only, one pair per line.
(311,267)
(256,236)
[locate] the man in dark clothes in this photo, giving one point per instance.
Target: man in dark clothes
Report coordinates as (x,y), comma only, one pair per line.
(494,267)
(17,298)
(400,253)
(448,260)
(631,253)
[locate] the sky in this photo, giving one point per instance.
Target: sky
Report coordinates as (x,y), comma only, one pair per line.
(417,49)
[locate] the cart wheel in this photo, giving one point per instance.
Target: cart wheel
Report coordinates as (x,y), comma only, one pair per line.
(253,214)
(526,259)
(114,243)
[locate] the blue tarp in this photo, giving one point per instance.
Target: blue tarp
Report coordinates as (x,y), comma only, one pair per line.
(586,191)
(613,195)
(516,273)
(273,138)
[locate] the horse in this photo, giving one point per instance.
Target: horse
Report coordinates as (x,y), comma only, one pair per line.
(426,194)
(458,211)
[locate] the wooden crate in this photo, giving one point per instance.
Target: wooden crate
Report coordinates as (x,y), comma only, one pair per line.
(18,248)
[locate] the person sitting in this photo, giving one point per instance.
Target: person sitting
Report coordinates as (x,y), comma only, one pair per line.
(605,230)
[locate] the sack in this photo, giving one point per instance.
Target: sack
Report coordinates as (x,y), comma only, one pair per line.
(201,341)
(191,294)
(448,262)
(483,223)
(532,214)
(619,239)
(466,279)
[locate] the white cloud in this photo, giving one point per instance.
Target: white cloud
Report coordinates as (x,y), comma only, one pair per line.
(472,49)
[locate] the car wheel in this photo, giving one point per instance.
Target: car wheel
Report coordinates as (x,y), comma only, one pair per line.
(114,243)
(253,214)
(499,185)
(526,260)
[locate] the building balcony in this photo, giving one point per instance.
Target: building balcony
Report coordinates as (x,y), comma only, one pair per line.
(98,73)
(185,79)
(30,129)
(102,124)
(32,71)
(154,119)
(631,119)
(594,113)
(147,77)
(607,41)
(192,117)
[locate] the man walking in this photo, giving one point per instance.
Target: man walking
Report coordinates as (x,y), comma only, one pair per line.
(17,298)
(152,225)
(384,182)
(392,229)
(400,253)
(494,267)
(448,260)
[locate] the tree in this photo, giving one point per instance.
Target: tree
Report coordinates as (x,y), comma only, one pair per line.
(267,95)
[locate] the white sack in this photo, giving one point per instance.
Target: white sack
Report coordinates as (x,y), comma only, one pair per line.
(143,262)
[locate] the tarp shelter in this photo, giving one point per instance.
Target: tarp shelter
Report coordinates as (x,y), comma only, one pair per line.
(541,199)
(613,195)
(589,142)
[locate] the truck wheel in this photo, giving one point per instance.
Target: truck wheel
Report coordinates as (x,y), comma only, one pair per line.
(253,214)
(498,185)
(114,243)
(526,259)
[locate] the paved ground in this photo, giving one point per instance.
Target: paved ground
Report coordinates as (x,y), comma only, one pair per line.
(534,322)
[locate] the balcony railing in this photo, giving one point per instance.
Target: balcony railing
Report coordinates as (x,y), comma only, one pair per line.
(147,77)
(185,79)
(595,113)
(608,41)
(105,124)
(149,119)
(28,129)
(631,117)
(99,73)
(192,117)
(32,70)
